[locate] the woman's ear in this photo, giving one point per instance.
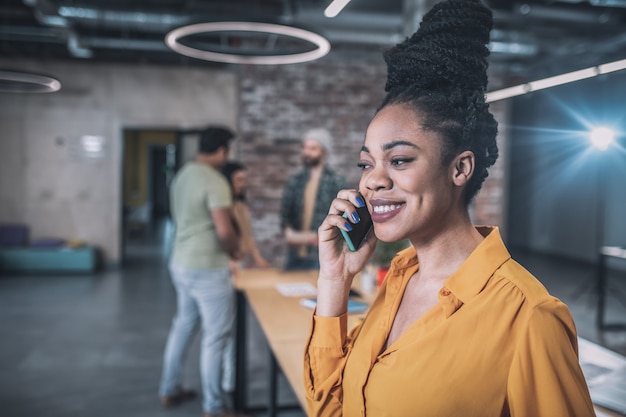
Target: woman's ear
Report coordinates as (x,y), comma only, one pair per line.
(463,168)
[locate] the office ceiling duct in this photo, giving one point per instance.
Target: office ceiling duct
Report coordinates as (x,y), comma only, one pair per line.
(530,37)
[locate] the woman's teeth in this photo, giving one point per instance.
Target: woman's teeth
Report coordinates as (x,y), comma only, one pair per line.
(387,208)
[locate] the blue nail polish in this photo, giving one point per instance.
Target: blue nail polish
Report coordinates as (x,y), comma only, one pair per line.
(360,201)
(348,226)
(356,217)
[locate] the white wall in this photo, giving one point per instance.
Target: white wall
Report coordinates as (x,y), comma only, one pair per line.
(45,179)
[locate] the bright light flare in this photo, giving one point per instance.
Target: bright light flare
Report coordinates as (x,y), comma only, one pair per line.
(601,138)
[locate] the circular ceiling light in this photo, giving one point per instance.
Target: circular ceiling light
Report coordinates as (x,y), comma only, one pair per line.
(266,34)
(27,82)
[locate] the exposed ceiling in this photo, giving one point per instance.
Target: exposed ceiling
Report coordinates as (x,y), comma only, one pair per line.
(531,39)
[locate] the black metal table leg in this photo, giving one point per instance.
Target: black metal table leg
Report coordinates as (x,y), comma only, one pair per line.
(273,386)
(240,400)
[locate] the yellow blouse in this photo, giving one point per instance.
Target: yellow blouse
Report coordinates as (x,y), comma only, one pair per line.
(497,344)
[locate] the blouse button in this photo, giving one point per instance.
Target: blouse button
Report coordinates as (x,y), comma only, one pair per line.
(445,292)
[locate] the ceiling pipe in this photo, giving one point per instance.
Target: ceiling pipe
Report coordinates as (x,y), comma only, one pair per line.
(46,14)
(347,20)
(128,44)
(356,37)
(120,19)
(54,35)
(347,27)
(563,14)
(413,11)
(32,34)
(608,3)
(513,48)
(603,3)
(75,46)
(288,11)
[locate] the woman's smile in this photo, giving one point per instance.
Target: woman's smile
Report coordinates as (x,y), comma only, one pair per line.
(383,210)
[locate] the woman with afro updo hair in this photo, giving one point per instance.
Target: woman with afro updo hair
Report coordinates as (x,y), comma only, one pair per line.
(458,328)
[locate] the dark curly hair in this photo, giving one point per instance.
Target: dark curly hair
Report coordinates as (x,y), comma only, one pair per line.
(228,170)
(441,70)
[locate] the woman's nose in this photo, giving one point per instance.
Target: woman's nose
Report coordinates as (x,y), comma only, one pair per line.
(377,179)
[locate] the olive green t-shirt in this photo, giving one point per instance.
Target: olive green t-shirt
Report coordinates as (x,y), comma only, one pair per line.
(195,191)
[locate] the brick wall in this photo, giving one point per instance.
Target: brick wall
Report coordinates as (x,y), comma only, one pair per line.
(279,103)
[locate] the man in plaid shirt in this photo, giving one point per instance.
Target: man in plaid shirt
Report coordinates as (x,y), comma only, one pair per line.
(306,200)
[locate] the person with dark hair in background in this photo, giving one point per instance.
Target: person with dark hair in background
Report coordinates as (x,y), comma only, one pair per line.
(306,199)
(204,242)
(237,176)
(458,327)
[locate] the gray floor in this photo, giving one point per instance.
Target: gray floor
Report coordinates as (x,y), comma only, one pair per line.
(91,345)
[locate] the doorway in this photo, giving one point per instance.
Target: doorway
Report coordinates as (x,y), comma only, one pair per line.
(151,159)
(148,166)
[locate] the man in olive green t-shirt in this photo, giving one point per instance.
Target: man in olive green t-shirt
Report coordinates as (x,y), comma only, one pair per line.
(205,239)
(196,191)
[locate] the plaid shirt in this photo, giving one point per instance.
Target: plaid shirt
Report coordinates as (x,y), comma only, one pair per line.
(293,200)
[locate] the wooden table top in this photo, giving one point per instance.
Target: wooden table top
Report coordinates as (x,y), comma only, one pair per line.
(285,323)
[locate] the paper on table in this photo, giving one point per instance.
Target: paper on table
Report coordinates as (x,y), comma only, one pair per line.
(296,289)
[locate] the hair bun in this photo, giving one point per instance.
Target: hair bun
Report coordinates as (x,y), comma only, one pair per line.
(449,50)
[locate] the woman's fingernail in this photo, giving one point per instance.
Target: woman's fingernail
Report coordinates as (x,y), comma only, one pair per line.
(356,217)
(360,201)
(348,226)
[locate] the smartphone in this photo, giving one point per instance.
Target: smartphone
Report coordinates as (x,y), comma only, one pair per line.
(355,237)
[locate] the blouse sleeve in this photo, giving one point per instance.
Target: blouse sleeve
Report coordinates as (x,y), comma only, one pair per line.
(546,379)
(324,360)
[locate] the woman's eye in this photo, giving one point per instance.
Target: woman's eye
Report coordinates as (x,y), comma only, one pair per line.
(363,165)
(400,161)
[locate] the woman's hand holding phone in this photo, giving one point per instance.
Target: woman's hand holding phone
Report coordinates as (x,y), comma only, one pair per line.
(358,231)
(338,263)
